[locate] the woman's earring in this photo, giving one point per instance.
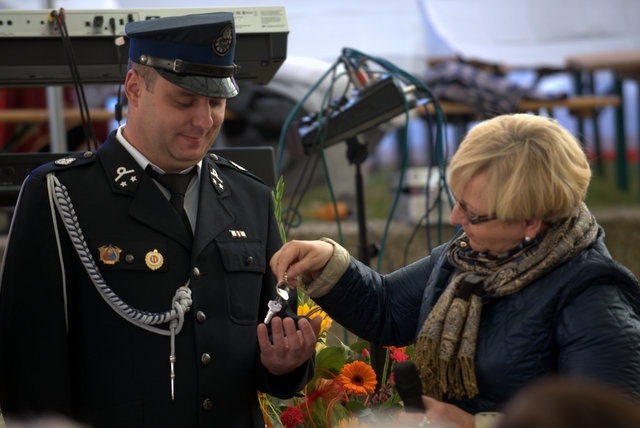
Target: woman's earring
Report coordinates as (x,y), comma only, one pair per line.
(527,239)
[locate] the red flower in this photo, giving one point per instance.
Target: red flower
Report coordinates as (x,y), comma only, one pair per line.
(398,354)
(291,417)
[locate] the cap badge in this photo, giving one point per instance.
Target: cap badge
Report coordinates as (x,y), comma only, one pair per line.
(222,43)
(154,259)
(109,254)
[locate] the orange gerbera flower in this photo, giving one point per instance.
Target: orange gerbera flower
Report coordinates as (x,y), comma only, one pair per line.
(358,378)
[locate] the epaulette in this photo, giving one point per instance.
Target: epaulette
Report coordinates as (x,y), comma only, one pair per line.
(65,161)
(69,160)
(221,161)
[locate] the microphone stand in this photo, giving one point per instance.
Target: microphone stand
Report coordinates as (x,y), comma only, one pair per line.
(357,153)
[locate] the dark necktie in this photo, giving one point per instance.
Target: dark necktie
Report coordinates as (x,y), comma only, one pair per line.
(177,185)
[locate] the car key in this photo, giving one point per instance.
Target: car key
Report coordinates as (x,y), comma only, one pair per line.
(276,306)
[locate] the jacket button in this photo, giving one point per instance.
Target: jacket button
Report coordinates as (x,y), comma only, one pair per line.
(196,273)
(201,316)
(205,359)
(207,404)
(129,258)
(249,261)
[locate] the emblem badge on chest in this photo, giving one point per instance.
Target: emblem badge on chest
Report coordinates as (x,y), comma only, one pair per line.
(154,259)
(109,254)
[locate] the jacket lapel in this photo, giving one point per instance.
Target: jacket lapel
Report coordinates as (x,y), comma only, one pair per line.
(152,208)
(148,204)
(214,201)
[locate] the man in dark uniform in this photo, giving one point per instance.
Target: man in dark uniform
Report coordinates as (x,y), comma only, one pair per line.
(116,313)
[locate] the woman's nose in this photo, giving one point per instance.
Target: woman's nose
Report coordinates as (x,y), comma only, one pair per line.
(457,216)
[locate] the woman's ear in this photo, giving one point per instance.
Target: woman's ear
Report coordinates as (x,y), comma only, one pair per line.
(533,227)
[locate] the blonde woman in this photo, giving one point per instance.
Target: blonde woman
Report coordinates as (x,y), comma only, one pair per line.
(527,288)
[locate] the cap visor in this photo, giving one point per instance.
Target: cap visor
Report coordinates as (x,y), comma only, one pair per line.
(214,87)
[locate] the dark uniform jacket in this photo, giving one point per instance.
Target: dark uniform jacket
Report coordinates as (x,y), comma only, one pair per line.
(581,319)
(102,369)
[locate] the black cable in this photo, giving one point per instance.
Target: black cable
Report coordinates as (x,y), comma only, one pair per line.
(116,44)
(293,217)
(85,116)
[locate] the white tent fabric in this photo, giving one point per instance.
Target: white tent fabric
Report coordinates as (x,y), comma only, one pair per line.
(534,33)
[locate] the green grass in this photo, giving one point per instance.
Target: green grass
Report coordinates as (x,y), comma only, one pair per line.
(605,190)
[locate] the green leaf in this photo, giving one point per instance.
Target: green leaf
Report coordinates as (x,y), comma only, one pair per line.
(355,406)
(331,358)
(277,196)
(359,346)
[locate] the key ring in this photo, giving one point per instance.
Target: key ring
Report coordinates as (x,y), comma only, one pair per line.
(283,288)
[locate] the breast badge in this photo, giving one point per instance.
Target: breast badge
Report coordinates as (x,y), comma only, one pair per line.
(154,259)
(109,254)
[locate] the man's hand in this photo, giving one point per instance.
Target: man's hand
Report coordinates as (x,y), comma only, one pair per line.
(289,347)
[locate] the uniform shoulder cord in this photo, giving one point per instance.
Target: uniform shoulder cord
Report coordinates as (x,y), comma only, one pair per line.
(181,302)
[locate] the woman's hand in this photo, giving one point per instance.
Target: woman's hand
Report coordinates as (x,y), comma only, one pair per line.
(299,259)
(438,415)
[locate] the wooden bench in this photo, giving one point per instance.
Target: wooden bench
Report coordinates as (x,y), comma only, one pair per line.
(37,115)
(580,106)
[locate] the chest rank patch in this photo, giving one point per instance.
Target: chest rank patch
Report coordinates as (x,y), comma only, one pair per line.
(109,254)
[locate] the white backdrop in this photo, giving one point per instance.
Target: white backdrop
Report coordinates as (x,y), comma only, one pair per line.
(534,32)
(319,29)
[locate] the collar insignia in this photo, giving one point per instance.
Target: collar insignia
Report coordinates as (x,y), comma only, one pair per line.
(125,176)
(216,180)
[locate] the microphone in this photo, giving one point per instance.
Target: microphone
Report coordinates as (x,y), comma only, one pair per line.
(409,386)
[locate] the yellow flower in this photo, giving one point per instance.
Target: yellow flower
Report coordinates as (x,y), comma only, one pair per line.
(358,378)
(312,310)
(352,422)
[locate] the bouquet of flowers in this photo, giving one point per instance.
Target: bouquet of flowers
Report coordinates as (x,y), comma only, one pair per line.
(344,391)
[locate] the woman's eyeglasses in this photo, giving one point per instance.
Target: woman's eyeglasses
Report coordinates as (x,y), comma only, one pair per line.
(473,218)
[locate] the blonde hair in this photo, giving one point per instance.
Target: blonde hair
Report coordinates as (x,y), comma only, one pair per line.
(535,168)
